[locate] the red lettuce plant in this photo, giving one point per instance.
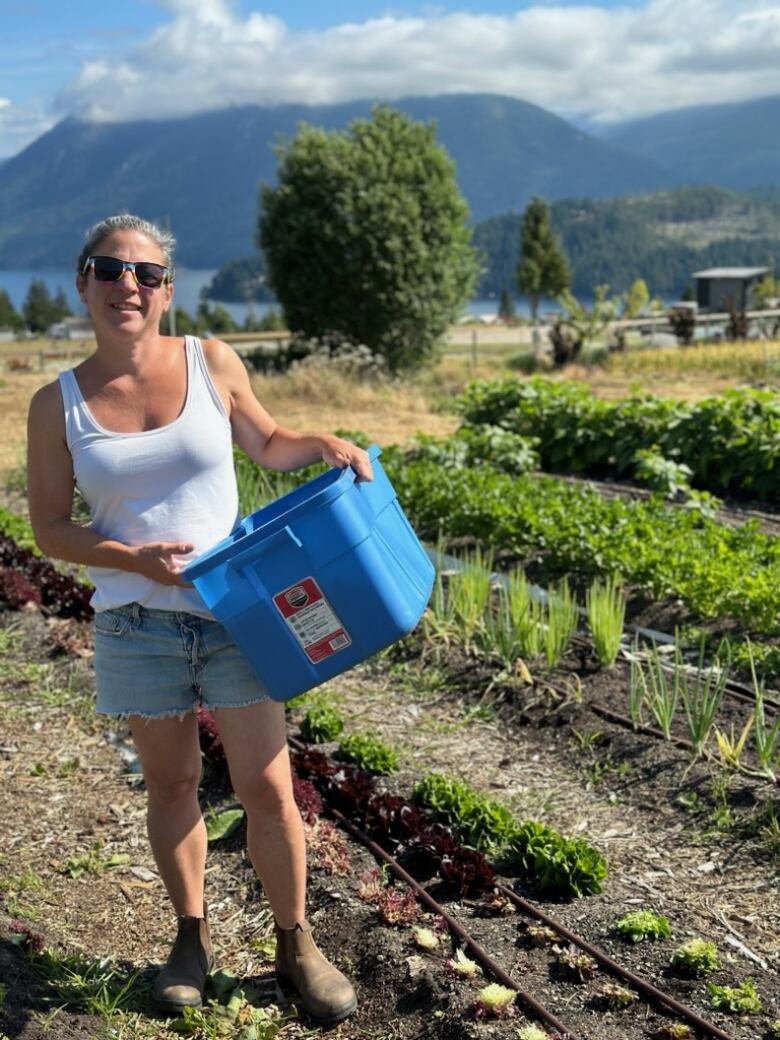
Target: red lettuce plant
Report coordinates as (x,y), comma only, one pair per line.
(308,799)
(59,593)
(16,591)
(210,740)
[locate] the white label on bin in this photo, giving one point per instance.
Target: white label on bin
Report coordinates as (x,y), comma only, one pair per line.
(311,620)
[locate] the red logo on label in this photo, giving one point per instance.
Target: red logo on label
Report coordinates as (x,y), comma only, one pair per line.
(297,597)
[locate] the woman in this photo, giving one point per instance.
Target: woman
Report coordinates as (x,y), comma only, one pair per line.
(145,427)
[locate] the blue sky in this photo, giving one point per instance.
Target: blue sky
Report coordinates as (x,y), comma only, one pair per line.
(601,61)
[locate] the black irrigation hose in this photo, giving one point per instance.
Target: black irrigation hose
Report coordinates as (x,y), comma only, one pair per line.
(539,1010)
(470,944)
(527,908)
(604,959)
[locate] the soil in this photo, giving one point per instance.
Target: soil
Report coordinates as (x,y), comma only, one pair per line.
(694,843)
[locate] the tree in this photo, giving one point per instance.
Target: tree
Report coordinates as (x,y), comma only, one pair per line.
(217,320)
(9,316)
(38,308)
(60,306)
(366,235)
(579,327)
(543,269)
(506,307)
(766,293)
(636,299)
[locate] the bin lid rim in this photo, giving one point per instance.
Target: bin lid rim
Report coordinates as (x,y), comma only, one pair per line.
(340,481)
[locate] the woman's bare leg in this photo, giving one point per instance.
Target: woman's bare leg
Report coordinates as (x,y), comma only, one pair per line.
(255,742)
(170,759)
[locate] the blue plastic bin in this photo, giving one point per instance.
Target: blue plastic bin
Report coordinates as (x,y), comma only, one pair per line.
(318,580)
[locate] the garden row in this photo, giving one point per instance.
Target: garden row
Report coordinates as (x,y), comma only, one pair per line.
(670,553)
(726,444)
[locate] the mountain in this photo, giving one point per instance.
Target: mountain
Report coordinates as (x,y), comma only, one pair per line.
(201,173)
(662,237)
(735,145)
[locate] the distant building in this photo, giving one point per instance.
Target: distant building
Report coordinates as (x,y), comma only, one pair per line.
(720,288)
(72,328)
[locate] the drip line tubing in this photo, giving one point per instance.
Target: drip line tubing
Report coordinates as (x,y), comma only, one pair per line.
(603,958)
(470,944)
(530,910)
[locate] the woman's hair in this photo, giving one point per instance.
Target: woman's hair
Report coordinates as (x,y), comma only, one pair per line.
(127,222)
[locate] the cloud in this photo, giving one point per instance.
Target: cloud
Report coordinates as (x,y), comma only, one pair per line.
(19,126)
(600,63)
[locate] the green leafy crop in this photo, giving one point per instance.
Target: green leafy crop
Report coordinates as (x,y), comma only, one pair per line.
(558,866)
(321,724)
(697,956)
(369,753)
(481,822)
(735,1000)
(639,925)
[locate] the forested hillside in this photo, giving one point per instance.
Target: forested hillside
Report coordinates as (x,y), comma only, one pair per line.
(662,237)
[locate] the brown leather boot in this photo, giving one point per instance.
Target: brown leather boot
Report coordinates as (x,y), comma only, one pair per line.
(183,979)
(325,994)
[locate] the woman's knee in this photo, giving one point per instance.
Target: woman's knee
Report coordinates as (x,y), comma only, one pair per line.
(171,786)
(266,796)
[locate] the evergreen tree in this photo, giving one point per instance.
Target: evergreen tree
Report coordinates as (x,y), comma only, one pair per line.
(366,235)
(38,307)
(9,316)
(60,306)
(506,306)
(543,269)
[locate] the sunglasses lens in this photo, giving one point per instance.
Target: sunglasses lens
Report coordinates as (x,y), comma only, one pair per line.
(107,268)
(150,275)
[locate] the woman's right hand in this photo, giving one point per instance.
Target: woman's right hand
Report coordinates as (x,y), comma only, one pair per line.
(157,561)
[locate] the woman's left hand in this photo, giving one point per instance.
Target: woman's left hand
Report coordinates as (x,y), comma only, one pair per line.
(340,453)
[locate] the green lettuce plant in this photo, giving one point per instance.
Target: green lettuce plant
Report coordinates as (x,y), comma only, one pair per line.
(697,957)
(321,724)
(735,1000)
(640,925)
(370,753)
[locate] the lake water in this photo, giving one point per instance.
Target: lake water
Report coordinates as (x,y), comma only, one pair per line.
(189,283)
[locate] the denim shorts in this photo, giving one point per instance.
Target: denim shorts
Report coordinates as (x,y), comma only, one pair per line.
(157,663)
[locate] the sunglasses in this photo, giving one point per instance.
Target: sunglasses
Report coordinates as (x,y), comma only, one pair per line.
(110,269)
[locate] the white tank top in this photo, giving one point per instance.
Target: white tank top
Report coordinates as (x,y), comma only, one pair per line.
(173,484)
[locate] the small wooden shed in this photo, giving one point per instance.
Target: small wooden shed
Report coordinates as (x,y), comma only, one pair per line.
(720,288)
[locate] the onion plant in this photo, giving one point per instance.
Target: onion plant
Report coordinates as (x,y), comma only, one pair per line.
(661,693)
(526,615)
(605,606)
(766,738)
(732,744)
(469,589)
(438,620)
(500,636)
(637,690)
(562,618)
(701,698)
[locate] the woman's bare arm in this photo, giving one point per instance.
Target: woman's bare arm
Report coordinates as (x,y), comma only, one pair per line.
(261,437)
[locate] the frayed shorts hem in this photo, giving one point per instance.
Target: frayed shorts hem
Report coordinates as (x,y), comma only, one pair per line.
(176,712)
(160,664)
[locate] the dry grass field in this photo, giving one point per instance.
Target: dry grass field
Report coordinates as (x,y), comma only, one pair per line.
(315,399)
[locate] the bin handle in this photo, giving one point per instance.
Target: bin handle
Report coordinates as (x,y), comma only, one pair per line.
(263,546)
(373,451)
